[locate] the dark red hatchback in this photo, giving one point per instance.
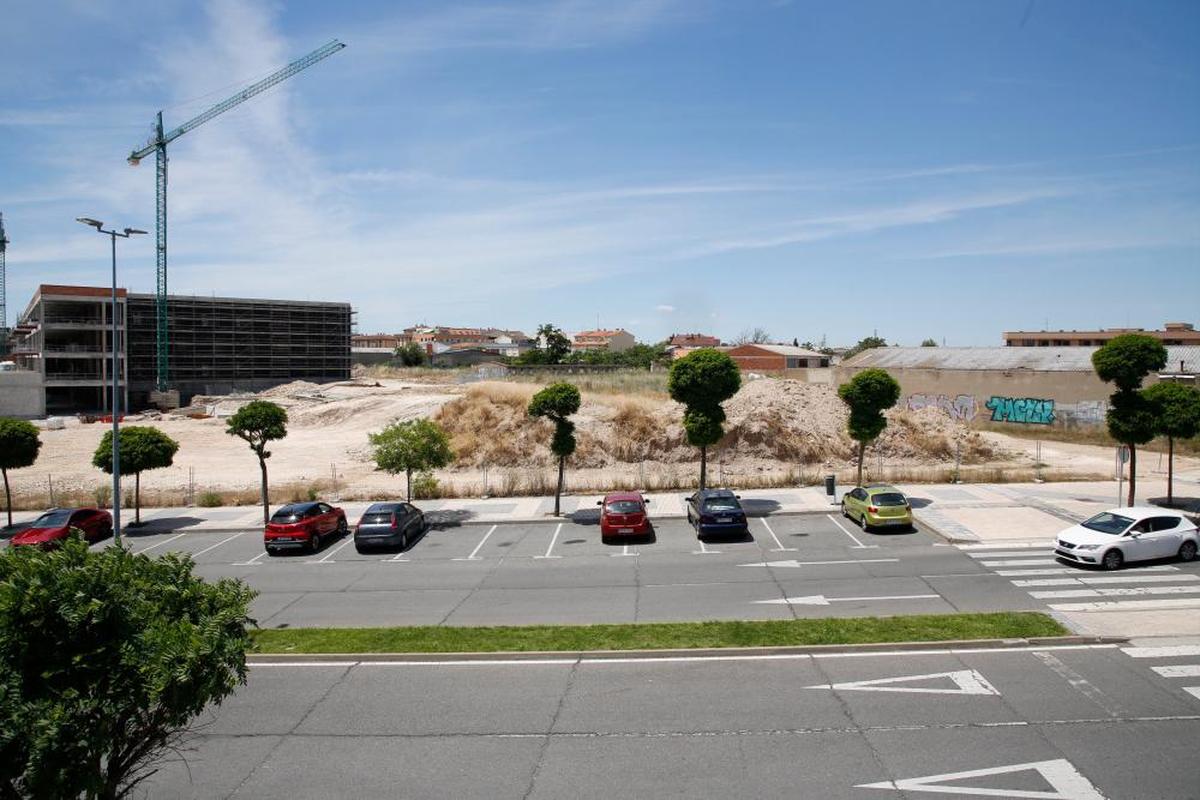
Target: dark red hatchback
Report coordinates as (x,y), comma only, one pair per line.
(51,528)
(623,514)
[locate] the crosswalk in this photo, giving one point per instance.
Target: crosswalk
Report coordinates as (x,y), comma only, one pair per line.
(1186,672)
(1066,587)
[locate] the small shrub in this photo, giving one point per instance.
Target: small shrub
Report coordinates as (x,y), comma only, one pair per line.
(102,494)
(425,486)
(209,500)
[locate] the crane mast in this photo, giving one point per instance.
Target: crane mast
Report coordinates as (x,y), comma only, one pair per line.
(158,145)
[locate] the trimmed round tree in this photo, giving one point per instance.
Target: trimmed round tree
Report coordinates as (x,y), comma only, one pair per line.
(259,423)
(1125,361)
(413,446)
(142,447)
(1176,416)
(105,659)
(703,380)
(557,402)
(868,394)
(19,446)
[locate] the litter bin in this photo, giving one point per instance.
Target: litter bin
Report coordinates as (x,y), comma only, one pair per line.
(831,485)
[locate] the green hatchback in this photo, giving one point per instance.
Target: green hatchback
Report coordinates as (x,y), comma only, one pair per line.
(877,505)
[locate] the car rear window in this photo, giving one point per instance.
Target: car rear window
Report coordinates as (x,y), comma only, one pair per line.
(377,518)
(285,515)
(52,519)
(720,504)
(888,499)
(624,507)
(1107,522)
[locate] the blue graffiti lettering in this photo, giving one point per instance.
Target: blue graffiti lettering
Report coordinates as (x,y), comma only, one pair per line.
(1025,410)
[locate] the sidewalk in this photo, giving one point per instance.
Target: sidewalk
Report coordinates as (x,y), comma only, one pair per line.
(1008,513)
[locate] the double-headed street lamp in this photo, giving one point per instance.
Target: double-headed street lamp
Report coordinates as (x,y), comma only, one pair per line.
(116,374)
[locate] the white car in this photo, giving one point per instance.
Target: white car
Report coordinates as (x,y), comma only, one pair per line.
(1111,538)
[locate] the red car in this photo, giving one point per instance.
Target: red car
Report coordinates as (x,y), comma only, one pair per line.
(303,526)
(51,528)
(623,514)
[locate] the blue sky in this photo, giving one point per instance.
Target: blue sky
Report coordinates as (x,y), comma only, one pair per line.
(818,169)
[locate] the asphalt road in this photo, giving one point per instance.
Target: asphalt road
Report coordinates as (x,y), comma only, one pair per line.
(1080,723)
(511,574)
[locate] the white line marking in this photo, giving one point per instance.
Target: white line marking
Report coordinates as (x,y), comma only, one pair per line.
(496,662)
(328,556)
(401,557)
(252,562)
(553,539)
(857,543)
(625,552)
(1060,774)
(967,681)
(1016,573)
(1009,554)
(779,548)
(1077,681)
(257,664)
(1119,591)
(704,551)
(1171,651)
(1084,580)
(1179,671)
(478,546)
(158,544)
(218,544)
(822,600)
(970,548)
(1128,605)
(794,563)
(1019,562)
(1194,691)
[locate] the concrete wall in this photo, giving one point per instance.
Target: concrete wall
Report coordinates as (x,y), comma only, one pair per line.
(1023,397)
(22,395)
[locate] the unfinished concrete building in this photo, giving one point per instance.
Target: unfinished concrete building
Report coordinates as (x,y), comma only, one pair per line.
(217,345)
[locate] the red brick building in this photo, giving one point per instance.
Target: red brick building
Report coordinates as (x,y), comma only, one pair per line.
(775,358)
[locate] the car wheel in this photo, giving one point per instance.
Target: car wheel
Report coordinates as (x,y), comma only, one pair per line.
(341,529)
(404,540)
(1187,551)
(359,548)
(271,551)
(314,542)
(862,522)
(1113,559)
(844,514)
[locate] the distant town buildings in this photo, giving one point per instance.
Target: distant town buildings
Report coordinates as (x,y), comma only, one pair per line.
(776,358)
(1177,334)
(693,340)
(612,340)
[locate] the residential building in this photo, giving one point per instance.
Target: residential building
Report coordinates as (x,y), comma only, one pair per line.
(612,340)
(693,340)
(1178,334)
(375,341)
(776,358)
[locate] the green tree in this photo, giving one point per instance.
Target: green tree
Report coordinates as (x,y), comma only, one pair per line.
(1125,361)
(703,380)
(410,354)
(553,344)
(865,344)
(868,394)
(1176,416)
(142,448)
(418,445)
(258,423)
(105,659)
(929,343)
(19,446)
(753,336)
(557,402)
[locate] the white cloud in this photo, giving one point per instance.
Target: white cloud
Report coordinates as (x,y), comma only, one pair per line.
(665,309)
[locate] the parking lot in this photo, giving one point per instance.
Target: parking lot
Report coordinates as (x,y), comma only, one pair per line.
(559,572)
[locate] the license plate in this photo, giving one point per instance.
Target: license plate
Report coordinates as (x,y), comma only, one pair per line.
(724,520)
(624,530)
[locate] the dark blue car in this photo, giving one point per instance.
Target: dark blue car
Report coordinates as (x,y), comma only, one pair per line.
(716,511)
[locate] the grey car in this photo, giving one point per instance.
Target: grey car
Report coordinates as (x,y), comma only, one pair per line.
(388,525)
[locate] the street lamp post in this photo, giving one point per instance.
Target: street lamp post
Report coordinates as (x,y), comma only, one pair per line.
(116,374)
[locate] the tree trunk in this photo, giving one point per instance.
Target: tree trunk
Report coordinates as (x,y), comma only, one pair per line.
(862,449)
(562,462)
(7,497)
(1170,470)
(703,468)
(262,463)
(1132,474)
(137,498)
(408,480)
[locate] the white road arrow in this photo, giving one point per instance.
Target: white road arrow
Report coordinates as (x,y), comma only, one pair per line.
(1059,774)
(822,600)
(794,563)
(968,681)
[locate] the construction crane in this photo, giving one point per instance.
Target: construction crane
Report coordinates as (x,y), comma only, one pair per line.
(3,302)
(157,144)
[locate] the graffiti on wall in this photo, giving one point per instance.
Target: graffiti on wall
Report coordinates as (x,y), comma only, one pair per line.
(963,407)
(1085,412)
(1025,410)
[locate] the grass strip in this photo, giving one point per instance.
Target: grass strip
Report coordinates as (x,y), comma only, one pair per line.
(655,636)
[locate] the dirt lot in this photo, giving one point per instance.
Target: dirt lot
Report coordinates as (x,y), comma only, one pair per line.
(778,433)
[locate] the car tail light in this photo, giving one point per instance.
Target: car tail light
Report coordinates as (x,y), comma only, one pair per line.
(393,522)
(707,518)
(872,510)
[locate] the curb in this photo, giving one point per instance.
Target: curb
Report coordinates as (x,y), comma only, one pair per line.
(706,652)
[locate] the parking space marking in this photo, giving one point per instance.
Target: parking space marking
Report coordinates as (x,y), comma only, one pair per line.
(1179,671)
(1007,554)
(1067,782)
(158,544)
(704,551)
(1167,651)
(966,681)
(252,562)
(625,552)
(479,546)
(398,558)
(328,559)
(794,563)
(1087,580)
(218,544)
(553,539)
(1019,562)
(779,548)
(1120,591)
(822,600)
(841,528)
